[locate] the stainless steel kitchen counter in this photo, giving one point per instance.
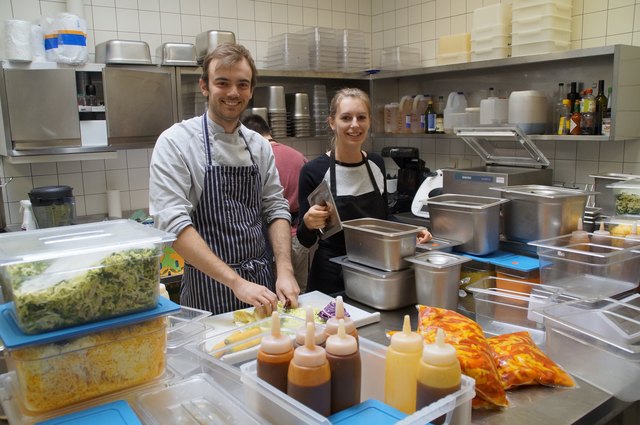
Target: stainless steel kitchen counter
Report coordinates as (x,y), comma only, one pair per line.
(585,405)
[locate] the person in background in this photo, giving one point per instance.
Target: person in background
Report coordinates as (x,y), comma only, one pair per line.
(213,183)
(289,162)
(357,182)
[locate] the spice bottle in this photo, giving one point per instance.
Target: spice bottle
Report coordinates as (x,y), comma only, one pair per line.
(331,327)
(276,351)
(301,333)
(401,368)
(439,373)
(309,375)
(346,369)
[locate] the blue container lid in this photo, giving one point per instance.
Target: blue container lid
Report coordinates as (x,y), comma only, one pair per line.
(507,260)
(368,412)
(114,413)
(14,338)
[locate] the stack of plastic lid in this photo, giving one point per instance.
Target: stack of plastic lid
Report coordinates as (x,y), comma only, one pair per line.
(288,52)
(320,110)
(400,57)
(272,97)
(491,32)
(321,43)
(353,54)
(540,26)
(454,48)
(299,118)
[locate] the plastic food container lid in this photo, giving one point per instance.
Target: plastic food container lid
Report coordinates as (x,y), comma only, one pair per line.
(626,184)
(368,412)
(81,239)
(114,413)
(13,337)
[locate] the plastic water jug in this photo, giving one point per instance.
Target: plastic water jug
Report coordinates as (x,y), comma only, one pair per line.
(454,112)
(494,110)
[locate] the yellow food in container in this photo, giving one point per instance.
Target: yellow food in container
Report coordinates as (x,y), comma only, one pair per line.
(50,376)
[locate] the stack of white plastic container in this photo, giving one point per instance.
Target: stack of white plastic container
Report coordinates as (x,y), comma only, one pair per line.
(540,26)
(321,44)
(491,32)
(287,51)
(353,54)
(320,110)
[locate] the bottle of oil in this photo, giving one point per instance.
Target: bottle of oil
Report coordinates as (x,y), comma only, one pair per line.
(430,118)
(439,373)
(309,375)
(276,351)
(346,369)
(331,327)
(401,368)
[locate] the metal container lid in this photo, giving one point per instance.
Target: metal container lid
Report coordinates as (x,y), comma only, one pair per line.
(465,202)
(437,260)
(381,227)
(123,52)
(361,268)
(50,192)
(541,191)
(503,145)
(208,40)
(183,54)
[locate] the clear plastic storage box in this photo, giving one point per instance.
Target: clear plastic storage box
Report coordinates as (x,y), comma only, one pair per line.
(70,275)
(627,197)
(600,268)
(597,340)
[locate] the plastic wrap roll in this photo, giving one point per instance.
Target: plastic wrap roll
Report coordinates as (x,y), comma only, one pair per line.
(17,39)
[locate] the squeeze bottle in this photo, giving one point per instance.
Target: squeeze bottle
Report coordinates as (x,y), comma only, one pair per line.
(346,369)
(401,368)
(579,236)
(331,327)
(276,351)
(301,333)
(601,237)
(309,375)
(633,238)
(439,373)
(28,222)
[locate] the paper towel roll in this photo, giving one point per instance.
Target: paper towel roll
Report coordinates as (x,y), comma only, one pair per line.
(17,39)
(114,208)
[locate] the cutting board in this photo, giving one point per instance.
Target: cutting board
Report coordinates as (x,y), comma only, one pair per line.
(316,299)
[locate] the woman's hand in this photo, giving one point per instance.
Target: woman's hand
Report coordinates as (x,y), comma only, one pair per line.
(424,236)
(316,217)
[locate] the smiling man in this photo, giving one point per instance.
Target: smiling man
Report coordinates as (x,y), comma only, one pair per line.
(213,182)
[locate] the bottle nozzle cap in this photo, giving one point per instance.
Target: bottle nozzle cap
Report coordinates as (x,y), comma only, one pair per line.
(331,327)
(439,353)
(341,344)
(301,333)
(309,354)
(407,341)
(276,342)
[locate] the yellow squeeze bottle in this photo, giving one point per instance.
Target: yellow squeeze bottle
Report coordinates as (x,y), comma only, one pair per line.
(401,368)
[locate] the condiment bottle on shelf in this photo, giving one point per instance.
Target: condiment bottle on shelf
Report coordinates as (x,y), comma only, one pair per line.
(301,333)
(346,369)
(439,373)
(401,368)
(276,351)
(309,376)
(331,327)
(601,237)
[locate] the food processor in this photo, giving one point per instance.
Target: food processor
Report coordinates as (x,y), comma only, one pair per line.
(53,206)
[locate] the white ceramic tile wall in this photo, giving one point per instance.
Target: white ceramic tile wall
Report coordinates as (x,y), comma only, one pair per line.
(390,23)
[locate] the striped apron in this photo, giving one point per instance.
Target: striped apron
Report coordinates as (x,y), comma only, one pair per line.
(228,217)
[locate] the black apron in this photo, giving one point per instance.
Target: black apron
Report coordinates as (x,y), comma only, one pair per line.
(229,218)
(325,275)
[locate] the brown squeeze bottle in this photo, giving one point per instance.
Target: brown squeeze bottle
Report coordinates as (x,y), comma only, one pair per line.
(309,376)
(276,351)
(439,373)
(301,332)
(346,369)
(331,327)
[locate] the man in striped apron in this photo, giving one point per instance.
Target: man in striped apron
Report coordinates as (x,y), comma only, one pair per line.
(214,183)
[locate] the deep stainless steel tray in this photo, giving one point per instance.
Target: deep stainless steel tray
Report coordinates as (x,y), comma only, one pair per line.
(123,52)
(183,54)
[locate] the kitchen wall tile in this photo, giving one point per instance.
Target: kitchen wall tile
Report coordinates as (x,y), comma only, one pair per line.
(26,9)
(631,151)
(108,3)
(246,10)
(588,150)
(171,6)
(415,33)
(389,38)
(548,148)
(227,9)
(594,25)
(49,180)
(190,25)
(631,168)
(104,18)
(612,154)
(279,13)
(210,7)
(459,24)
(94,182)
(619,39)
(95,204)
(594,42)
(428,11)
(70,167)
(12,213)
(190,7)
(339,5)
(594,6)
(229,24)
(443,9)
(584,169)
(414,14)
(578,7)
(138,178)
(170,23)
(620,20)
(377,6)
(125,201)
(566,149)
(18,189)
(127,4)
(137,158)
(117,180)
(93,165)
(126,35)
(474,4)
(564,171)
(139,199)
(73,180)
(457,147)
(620,3)
(44,168)
(153,5)
(576,28)
(458,7)
(102,36)
(150,22)
(49,8)
(154,41)
(402,36)
(246,30)
(429,30)
(402,18)
(389,21)
(5,12)
(81,208)
(443,27)
(294,14)
(17,170)
(352,7)
(609,167)
(128,20)
(209,22)
(365,7)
